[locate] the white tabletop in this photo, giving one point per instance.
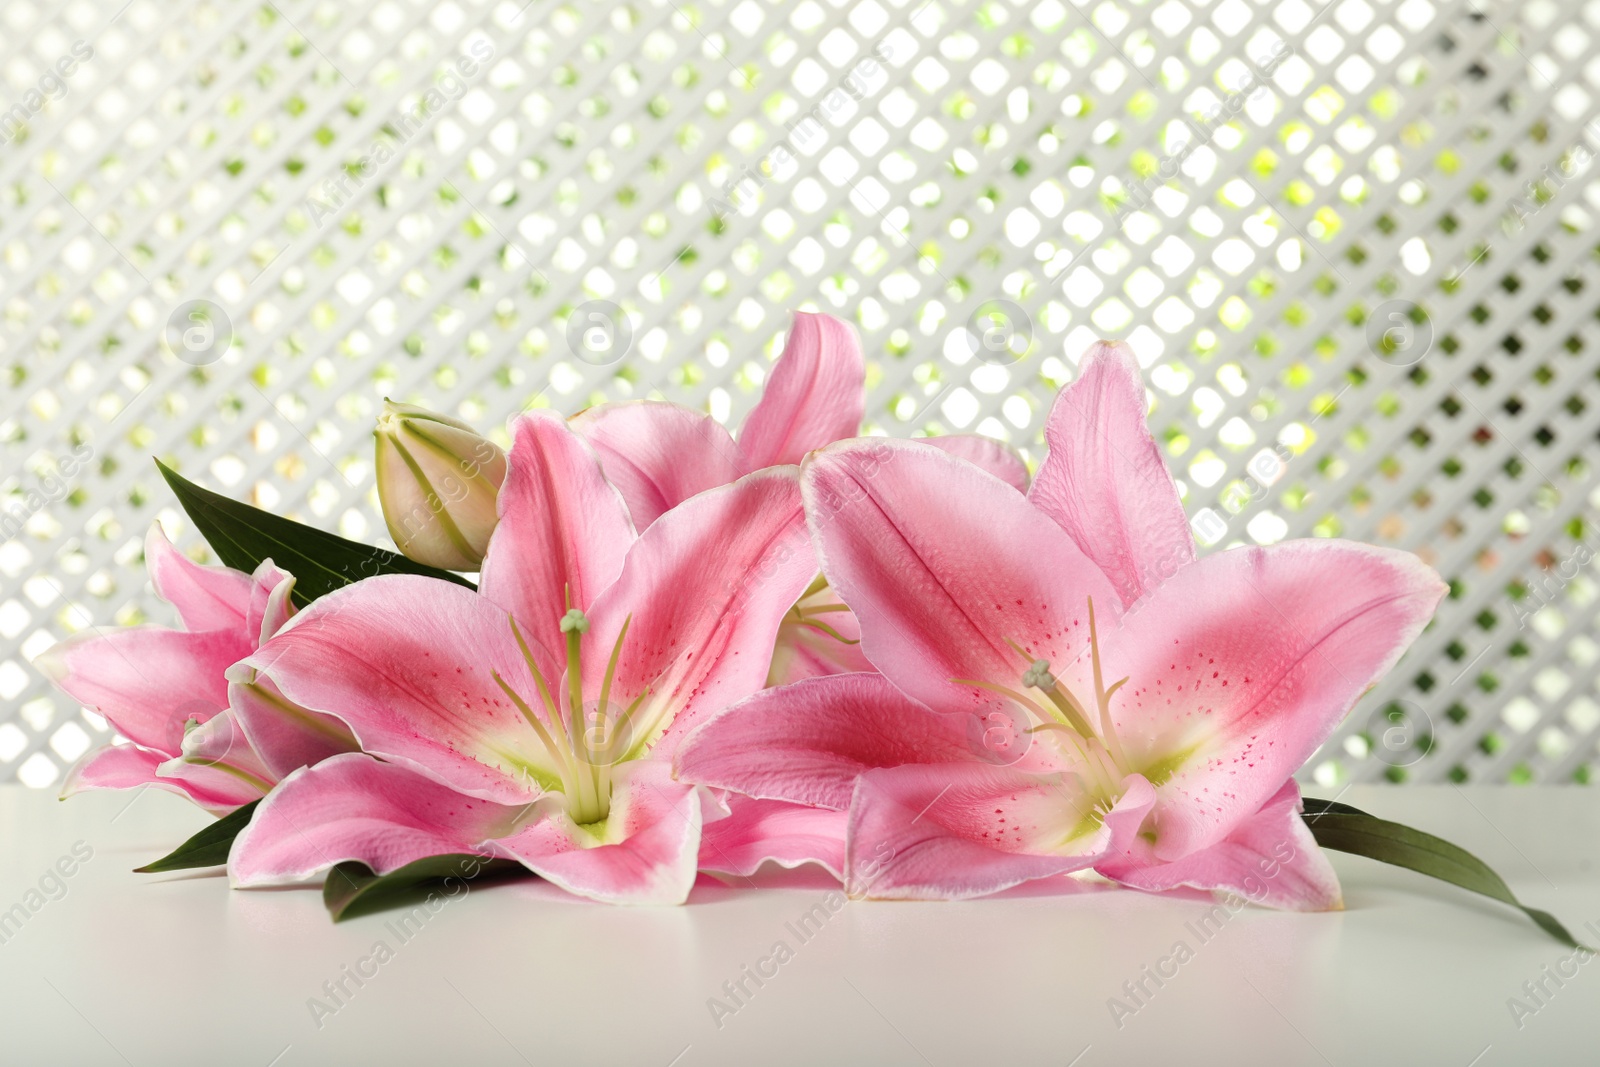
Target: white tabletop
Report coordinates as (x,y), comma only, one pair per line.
(139,969)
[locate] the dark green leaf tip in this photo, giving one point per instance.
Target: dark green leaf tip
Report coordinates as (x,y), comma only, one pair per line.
(208,848)
(1346,829)
(242,536)
(353,888)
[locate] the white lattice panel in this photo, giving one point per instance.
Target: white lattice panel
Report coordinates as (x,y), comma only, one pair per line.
(286,163)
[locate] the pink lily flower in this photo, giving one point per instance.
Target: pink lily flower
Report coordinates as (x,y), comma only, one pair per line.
(535,718)
(189,729)
(659,454)
(1063,685)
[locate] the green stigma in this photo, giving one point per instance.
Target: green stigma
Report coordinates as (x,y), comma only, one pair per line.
(1038,676)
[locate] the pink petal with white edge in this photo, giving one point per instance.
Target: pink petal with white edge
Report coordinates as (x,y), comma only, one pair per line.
(1104,479)
(705,588)
(996,457)
(658,455)
(564,530)
(405,661)
(286,735)
(207,598)
(124,766)
(960,830)
(645,852)
(808,742)
(271,601)
(147,681)
(942,564)
(1240,665)
(815,395)
(353,807)
(760,831)
(1271,858)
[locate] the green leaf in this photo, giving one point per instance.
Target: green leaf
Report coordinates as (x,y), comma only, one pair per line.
(242,536)
(208,848)
(353,889)
(1345,829)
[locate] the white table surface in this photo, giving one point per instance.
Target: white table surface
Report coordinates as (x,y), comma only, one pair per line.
(174,969)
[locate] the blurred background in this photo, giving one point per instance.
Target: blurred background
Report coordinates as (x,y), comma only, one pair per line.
(1352,243)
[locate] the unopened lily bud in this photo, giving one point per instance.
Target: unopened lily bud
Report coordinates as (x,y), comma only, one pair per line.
(438,480)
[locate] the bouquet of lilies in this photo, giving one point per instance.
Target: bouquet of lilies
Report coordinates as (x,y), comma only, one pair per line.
(904,661)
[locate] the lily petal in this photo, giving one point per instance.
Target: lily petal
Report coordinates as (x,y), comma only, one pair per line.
(996,457)
(145,680)
(218,760)
(207,598)
(405,661)
(563,532)
(1240,665)
(286,736)
(125,766)
(658,455)
(815,395)
(809,742)
(644,853)
(702,594)
(1271,858)
(353,807)
(758,831)
(944,564)
(954,831)
(271,601)
(1104,480)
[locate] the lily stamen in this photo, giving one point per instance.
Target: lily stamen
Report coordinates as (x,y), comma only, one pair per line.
(1103,695)
(582,751)
(805,615)
(1099,750)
